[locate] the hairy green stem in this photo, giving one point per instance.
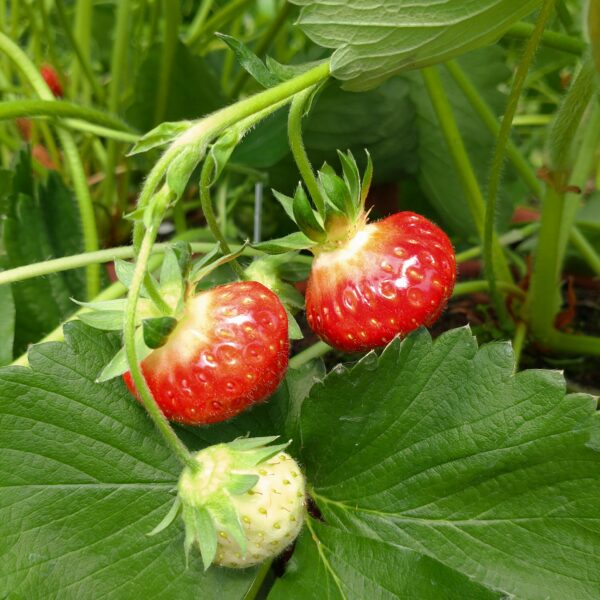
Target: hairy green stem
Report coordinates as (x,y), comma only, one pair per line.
(207,208)
(462,162)
(72,158)
(160,421)
(297,110)
(499,155)
(550,39)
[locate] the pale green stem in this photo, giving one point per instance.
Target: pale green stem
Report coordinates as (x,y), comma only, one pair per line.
(315,351)
(197,24)
(550,39)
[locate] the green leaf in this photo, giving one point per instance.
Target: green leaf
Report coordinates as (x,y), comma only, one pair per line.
(85,477)
(334,564)
(164,134)
(287,203)
(293,241)
(294,331)
(284,72)
(41,222)
(193,90)
(442,449)
(365,184)
(376,40)
(118,363)
(157,331)
(305,216)
(7,324)
(221,150)
(250,62)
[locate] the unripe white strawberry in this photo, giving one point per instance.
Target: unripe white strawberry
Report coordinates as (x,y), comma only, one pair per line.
(242,504)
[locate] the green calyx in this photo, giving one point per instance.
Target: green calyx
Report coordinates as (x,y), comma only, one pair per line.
(206,490)
(340,218)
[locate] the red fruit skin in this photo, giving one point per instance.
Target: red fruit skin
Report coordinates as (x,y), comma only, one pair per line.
(391,277)
(229,351)
(52,80)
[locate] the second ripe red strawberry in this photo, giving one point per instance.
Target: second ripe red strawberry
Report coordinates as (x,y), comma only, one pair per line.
(228,351)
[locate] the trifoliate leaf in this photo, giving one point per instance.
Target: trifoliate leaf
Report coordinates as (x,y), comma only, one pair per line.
(250,62)
(165,133)
(441,448)
(157,331)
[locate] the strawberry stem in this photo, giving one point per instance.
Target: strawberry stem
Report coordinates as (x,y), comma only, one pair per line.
(297,109)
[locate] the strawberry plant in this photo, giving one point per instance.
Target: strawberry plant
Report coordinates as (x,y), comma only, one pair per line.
(299,300)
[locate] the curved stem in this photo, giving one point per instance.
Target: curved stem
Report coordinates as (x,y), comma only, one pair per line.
(206,200)
(312,352)
(13,109)
(163,426)
(499,154)
(199,20)
(297,109)
(550,39)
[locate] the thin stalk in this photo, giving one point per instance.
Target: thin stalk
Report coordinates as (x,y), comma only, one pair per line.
(161,423)
(72,159)
(263,45)
(481,285)
(573,344)
(172,19)
(312,352)
(81,57)
(550,39)
(97,130)
(117,68)
(462,162)
(297,110)
(198,23)
(83,34)
(587,251)
(499,156)
(518,341)
(230,11)
(14,109)
(206,176)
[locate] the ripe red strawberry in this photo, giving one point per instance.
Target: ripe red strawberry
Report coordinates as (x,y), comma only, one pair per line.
(51,78)
(389,278)
(228,351)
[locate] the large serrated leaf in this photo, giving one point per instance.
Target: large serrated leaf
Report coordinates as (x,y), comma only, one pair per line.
(85,477)
(375,39)
(337,565)
(441,448)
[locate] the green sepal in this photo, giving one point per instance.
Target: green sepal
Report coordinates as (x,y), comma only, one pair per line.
(181,168)
(250,62)
(285,72)
(226,517)
(171,280)
(251,458)
(165,133)
(204,271)
(366,182)
(157,331)
(204,261)
(118,364)
(242,444)
(168,518)
(119,304)
(286,202)
(199,529)
(135,215)
(124,271)
(221,151)
(305,216)
(294,331)
(106,320)
(241,483)
(336,191)
(293,241)
(351,177)
(183,252)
